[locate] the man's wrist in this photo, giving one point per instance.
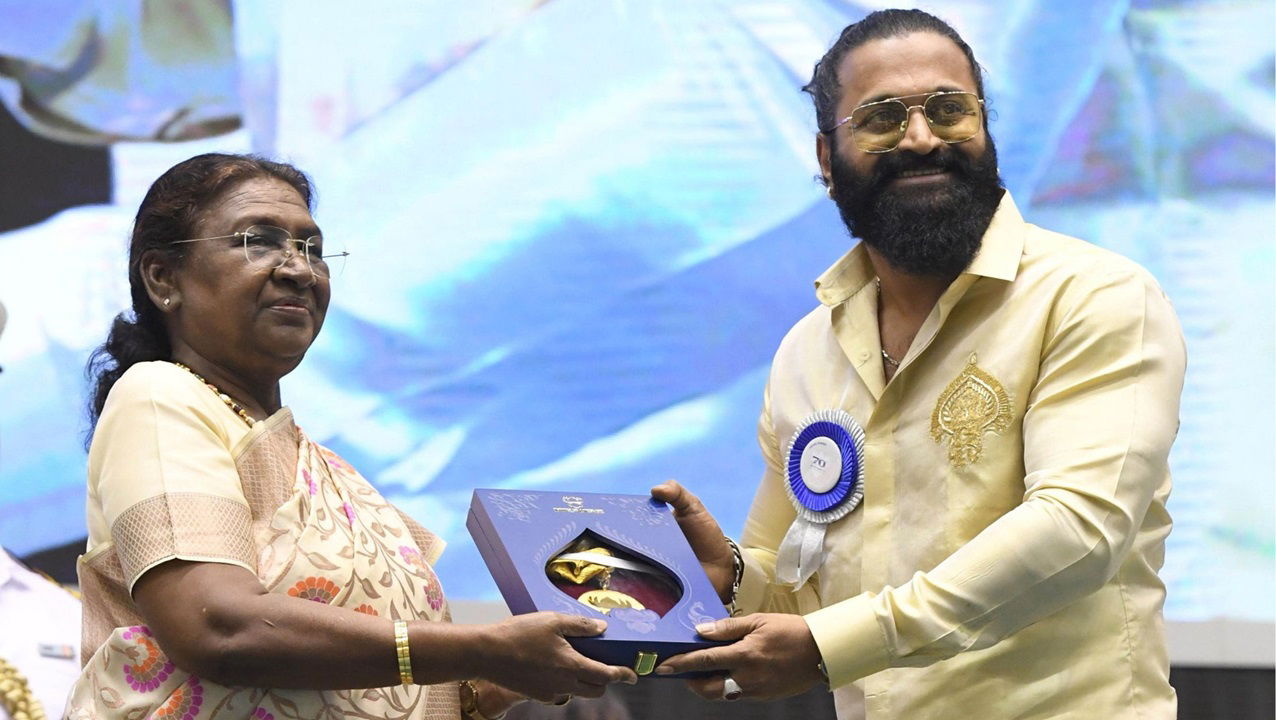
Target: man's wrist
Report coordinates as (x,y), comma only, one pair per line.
(848,639)
(737,576)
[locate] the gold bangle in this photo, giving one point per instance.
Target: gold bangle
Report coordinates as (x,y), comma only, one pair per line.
(403,652)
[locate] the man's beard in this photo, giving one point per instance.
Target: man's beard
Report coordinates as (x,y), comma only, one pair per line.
(928,229)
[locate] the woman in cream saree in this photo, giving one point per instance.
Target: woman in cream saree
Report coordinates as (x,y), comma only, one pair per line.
(306,523)
(236,569)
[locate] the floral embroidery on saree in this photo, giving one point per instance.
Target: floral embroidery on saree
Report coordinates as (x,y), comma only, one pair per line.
(320,533)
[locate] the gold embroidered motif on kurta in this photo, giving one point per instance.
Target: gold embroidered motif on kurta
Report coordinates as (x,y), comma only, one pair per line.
(973,404)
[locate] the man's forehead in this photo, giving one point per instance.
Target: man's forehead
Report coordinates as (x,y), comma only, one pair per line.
(902,66)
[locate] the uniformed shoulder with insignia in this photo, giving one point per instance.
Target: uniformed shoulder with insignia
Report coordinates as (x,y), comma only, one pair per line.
(973,404)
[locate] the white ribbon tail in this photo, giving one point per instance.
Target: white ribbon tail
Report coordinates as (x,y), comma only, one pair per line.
(801,552)
(609,561)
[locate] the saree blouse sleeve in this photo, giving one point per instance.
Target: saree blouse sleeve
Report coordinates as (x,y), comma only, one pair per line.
(162,479)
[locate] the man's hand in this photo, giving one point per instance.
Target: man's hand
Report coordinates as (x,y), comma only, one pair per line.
(494,700)
(702,533)
(774,657)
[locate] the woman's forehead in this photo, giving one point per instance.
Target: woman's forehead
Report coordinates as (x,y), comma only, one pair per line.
(265,200)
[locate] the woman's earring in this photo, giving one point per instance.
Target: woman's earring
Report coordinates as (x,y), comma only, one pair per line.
(166,302)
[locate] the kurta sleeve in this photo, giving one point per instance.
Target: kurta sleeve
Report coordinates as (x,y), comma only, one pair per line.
(162,475)
(768,520)
(1097,434)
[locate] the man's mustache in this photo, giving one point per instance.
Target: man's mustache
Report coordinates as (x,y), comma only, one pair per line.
(893,164)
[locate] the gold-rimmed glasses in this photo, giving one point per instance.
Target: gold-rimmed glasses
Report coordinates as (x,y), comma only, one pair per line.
(268,248)
(878,127)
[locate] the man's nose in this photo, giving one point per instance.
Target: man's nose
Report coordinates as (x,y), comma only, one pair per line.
(918,137)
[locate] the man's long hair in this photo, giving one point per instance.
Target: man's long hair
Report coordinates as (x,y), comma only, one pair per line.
(826,90)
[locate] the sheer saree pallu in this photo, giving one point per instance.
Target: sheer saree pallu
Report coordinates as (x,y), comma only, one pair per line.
(309,526)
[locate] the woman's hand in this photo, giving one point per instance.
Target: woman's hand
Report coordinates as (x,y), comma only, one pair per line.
(530,655)
(217,621)
(702,533)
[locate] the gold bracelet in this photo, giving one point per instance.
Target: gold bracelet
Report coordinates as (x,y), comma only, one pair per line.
(469,703)
(403,652)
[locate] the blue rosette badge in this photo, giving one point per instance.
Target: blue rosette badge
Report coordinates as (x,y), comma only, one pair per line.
(824,481)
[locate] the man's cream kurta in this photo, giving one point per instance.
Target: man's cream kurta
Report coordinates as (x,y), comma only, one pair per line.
(1003,563)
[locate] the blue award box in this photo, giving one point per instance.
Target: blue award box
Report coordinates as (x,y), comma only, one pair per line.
(621,558)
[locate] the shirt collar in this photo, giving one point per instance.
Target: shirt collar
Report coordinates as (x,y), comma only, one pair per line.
(998,257)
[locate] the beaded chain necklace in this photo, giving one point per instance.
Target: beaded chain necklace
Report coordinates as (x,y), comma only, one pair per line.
(230,402)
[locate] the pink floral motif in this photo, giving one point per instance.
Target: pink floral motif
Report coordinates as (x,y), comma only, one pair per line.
(349,512)
(335,460)
(262,714)
(412,557)
(310,481)
(433,591)
(184,703)
(154,668)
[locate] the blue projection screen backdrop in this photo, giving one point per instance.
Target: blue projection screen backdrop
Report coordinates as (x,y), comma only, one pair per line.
(580,228)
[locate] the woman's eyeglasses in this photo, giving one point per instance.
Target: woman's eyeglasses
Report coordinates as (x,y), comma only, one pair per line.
(878,127)
(268,247)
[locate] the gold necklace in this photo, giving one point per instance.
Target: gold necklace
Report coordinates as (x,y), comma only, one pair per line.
(16,696)
(885,356)
(230,402)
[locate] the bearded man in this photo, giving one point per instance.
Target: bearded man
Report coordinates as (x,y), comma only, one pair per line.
(963,510)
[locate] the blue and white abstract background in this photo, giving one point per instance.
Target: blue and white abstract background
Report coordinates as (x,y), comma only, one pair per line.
(580,228)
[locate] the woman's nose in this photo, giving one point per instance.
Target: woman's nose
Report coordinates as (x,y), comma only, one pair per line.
(296,269)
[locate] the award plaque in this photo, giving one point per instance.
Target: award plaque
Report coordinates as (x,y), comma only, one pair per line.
(620,558)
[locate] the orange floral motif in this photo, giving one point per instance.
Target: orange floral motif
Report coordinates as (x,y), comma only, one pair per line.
(367,609)
(153,668)
(318,589)
(184,703)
